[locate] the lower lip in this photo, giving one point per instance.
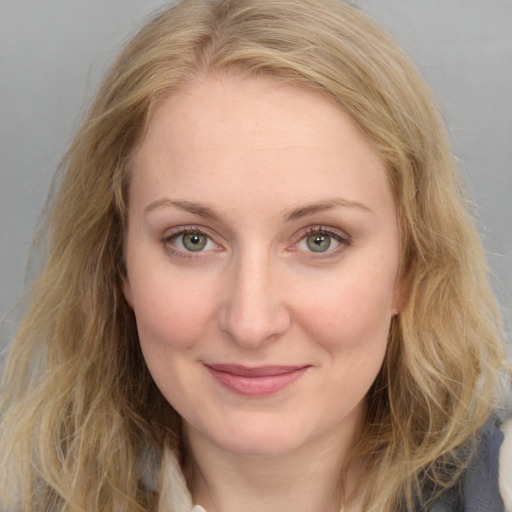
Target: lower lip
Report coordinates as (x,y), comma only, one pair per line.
(260,385)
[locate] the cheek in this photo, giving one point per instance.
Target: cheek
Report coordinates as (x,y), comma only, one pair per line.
(171,312)
(350,314)
(173,316)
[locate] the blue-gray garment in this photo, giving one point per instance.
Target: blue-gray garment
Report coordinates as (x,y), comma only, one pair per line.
(478,490)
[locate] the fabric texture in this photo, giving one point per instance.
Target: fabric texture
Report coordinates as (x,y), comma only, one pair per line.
(478,490)
(505,477)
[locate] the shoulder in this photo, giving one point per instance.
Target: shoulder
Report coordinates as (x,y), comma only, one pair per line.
(488,483)
(505,465)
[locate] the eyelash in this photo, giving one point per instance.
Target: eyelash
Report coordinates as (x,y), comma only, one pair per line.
(180,231)
(303,234)
(339,236)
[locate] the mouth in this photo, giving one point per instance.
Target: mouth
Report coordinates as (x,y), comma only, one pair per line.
(255,381)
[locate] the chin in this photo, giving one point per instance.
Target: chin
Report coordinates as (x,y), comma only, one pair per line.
(259,438)
(260,446)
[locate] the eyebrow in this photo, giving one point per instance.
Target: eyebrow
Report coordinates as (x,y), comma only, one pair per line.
(212,214)
(329,204)
(189,206)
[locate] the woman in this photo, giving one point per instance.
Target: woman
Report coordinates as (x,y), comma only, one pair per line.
(263,291)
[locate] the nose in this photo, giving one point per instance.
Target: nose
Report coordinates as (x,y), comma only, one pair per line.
(253,312)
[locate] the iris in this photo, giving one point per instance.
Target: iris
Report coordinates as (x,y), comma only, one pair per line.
(194,241)
(318,242)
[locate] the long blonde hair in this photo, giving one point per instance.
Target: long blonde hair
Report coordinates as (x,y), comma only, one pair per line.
(78,407)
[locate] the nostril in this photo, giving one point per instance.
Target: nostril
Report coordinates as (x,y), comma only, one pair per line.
(253,312)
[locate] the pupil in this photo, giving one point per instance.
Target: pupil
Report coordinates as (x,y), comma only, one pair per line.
(194,241)
(319,243)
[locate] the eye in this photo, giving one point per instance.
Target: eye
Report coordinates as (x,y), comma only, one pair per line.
(194,241)
(321,240)
(189,241)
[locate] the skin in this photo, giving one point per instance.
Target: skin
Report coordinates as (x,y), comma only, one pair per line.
(257,167)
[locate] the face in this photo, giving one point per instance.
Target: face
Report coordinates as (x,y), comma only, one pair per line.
(262,253)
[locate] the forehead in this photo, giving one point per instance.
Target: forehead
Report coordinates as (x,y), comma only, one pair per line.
(256,106)
(255,134)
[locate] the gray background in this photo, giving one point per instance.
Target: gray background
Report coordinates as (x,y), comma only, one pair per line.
(53,53)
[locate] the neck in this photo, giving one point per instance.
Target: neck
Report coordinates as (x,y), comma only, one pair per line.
(306,479)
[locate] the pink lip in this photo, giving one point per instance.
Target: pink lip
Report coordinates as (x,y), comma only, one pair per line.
(257,381)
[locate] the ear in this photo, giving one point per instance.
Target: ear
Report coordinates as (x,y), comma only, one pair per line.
(397,302)
(127,291)
(401,291)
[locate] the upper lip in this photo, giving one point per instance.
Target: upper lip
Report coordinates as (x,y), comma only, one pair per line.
(255,371)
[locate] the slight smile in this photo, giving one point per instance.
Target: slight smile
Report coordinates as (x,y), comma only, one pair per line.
(255,381)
